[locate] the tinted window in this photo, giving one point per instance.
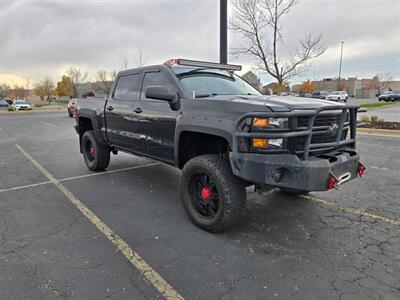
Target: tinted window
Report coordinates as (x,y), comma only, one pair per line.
(154,78)
(126,87)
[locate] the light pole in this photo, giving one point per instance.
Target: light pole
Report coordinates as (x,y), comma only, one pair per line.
(223,32)
(340,66)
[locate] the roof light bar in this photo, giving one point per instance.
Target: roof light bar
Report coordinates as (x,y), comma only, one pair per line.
(204,64)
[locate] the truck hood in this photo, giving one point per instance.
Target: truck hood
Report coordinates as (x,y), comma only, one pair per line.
(279,103)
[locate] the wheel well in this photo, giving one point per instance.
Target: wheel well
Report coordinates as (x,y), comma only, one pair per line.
(192,144)
(85,124)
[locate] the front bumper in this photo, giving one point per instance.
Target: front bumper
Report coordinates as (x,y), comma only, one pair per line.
(287,170)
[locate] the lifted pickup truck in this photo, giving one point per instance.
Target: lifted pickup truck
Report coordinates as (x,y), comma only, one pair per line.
(223,134)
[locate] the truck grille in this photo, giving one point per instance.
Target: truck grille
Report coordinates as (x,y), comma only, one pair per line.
(320,136)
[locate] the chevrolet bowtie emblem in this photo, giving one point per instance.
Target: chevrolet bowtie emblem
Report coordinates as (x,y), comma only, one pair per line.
(333,128)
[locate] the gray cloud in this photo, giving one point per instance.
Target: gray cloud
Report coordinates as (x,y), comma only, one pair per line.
(43,37)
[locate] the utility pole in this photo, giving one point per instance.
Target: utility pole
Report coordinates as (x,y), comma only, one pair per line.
(223,31)
(340,66)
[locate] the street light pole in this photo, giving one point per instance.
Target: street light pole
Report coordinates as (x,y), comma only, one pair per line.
(340,66)
(223,32)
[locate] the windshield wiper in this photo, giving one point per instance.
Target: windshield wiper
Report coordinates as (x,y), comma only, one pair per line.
(205,95)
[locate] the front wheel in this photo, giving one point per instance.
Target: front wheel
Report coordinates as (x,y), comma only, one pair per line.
(95,154)
(212,196)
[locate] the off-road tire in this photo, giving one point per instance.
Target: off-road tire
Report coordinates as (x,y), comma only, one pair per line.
(231,192)
(101,157)
(293,191)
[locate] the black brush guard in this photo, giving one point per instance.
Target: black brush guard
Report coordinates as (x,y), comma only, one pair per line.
(309,169)
(308,133)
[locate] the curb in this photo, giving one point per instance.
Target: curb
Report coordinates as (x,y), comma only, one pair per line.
(382,132)
(31,111)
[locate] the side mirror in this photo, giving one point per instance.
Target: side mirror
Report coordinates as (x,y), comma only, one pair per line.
(159,92)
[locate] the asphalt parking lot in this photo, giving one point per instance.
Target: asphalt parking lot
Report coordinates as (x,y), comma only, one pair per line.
(68,233)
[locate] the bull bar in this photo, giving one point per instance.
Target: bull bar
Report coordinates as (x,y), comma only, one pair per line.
(312,114)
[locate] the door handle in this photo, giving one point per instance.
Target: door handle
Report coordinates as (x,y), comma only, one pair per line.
(110,108)
(138,110)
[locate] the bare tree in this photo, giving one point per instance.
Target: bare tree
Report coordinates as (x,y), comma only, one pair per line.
(20,91)
(45,88)
(381,82)
(259,22)
(139,62)
(123,62)
(77,76)
(4,88)
(105,80)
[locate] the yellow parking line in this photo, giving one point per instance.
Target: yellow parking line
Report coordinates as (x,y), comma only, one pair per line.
(16,188)
(24,186)
(351,210)
(377,134)
(383,169)
(158,282)
(108,172)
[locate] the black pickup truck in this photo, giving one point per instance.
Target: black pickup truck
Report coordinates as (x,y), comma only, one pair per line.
(223,134)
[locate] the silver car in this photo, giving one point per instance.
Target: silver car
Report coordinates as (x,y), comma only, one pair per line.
(21,105)
(337,96)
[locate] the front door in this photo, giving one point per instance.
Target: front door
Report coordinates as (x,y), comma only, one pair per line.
(120,116)
(156,119)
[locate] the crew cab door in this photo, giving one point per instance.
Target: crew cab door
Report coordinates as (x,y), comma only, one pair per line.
(155,118)
(119,113)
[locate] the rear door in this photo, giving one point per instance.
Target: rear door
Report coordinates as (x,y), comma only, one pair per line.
(119,113)
(156,119)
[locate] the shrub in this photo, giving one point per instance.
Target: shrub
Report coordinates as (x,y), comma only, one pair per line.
(365,119)
(374,119)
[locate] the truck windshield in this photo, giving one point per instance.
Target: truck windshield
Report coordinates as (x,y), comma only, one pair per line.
(204,82)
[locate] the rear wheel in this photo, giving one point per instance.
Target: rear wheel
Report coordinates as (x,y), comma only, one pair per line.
(95,154)
(213,197)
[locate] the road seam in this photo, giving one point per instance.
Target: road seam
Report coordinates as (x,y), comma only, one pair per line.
(158,282)
(351,210)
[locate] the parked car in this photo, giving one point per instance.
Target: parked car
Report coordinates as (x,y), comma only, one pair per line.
(3,103)
(72,104)
(337,96)
(307,95)
(21,105)
(390,96)
(319,94)
(384,95)
(223,133)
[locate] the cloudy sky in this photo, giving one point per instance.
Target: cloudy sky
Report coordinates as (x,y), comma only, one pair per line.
(39,37)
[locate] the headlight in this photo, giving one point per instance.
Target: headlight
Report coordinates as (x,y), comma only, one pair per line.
(280,123)
(260,124)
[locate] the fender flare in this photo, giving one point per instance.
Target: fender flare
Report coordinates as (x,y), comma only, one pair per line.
(198,129)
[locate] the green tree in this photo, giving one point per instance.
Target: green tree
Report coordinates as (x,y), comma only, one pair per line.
(65,87)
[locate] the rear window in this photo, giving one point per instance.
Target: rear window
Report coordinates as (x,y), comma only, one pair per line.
(126,88)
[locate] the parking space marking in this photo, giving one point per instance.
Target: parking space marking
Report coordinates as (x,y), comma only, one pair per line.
(16,188)
(158,282)
(351,210)
(377,134)
(384,169)
(24,186)
(108,172)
